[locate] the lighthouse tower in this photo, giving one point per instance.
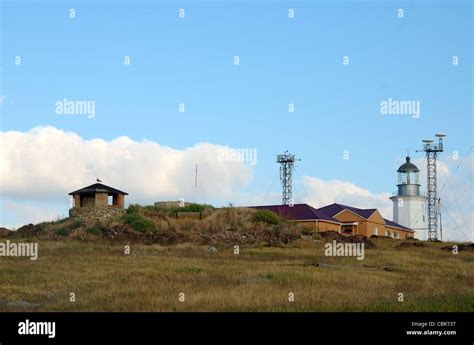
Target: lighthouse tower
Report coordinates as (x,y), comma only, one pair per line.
(409,207)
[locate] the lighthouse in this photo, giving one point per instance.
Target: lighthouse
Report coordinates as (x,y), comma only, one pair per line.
(409,207)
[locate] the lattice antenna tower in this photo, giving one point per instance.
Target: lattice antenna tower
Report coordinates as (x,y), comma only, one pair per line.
(287,162)
(431,149)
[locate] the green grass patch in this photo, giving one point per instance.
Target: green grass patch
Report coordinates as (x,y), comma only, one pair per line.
(64,231)
(138,222)
(266,216)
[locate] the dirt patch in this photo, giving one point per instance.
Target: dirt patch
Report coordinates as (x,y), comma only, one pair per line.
(124,233)
(410,244)
(461,247)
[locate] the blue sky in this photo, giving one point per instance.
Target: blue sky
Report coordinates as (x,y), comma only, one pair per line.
(282,61)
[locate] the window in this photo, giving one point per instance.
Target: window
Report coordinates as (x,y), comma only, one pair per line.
(376,231)
(397,235)
(386,233)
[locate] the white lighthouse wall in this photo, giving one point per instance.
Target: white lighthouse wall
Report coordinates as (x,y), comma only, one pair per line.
(411,212)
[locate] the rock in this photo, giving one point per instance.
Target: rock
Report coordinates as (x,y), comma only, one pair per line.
(4,232)
(210,249)
(29,229)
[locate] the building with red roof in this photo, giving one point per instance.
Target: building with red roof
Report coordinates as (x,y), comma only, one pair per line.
(344,219)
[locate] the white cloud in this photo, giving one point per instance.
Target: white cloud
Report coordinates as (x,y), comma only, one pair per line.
(47,163)
(321,193)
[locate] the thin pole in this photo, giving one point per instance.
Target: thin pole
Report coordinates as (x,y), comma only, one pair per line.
(440,223)
(196,179)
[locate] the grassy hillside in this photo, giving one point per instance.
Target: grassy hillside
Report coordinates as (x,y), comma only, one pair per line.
(194,257)
(160,225)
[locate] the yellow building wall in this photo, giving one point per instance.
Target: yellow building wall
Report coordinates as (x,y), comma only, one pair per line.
(403,235)
(308,226)
(327,226)
(376,217)
(371,229)
(366,227)
(318,226)
(349,217)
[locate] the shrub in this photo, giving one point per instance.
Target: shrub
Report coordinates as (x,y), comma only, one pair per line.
(76,224)
(138,222)
(63,231)
(133,209)
(96,229)
(266,216)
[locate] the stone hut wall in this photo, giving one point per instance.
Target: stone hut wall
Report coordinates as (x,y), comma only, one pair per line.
(101,199)
(88,201)
(96,212)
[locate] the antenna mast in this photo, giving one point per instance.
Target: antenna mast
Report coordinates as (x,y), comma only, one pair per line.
(286,161)
(432,193)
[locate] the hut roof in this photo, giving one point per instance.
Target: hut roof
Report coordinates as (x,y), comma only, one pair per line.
(98,188)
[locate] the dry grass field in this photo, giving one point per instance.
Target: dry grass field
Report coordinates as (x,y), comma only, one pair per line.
(103,278)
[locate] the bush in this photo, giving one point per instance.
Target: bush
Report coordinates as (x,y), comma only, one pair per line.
(138,222)
(133,209)
(96,229)
(266,216)
(76,224)
(63,231)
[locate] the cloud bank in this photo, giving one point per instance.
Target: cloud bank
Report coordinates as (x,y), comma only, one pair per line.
(41,166)
(48,163)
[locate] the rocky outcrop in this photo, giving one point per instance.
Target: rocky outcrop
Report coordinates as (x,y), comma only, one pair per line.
(30,230)
(4,232)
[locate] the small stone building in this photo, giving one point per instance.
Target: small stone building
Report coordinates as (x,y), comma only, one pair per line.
(93,202)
